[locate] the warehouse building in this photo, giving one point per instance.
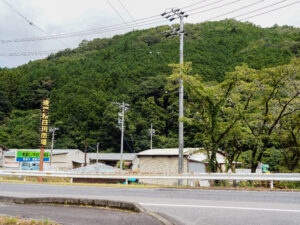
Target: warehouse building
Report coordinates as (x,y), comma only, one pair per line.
(165,161)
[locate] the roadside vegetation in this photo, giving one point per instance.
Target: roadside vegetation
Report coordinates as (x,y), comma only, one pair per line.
(5,220)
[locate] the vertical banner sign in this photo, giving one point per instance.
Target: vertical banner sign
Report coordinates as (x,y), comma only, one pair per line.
(44,129)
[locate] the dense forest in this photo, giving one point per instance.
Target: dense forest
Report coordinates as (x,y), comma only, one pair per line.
(230,61)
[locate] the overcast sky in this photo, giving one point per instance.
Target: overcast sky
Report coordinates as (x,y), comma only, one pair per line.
(66,16)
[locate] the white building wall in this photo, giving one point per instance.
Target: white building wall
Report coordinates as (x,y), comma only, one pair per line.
(160,164)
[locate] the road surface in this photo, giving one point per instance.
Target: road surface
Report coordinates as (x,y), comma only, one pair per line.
(190,206)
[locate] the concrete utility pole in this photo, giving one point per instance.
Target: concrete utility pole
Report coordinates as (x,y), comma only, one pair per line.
(123,107)
(172,15)
(52,129)
(122,136)
(152,132)
(97,152)
(85,152)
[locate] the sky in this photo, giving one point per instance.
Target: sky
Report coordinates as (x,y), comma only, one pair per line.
(32,19)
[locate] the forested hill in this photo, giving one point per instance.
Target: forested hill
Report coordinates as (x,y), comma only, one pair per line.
(82,83)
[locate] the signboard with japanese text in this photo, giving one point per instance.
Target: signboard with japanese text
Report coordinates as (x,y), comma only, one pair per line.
(44,122)
(31,156)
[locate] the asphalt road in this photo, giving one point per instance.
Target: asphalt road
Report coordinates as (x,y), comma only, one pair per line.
(207,207)
(75,215)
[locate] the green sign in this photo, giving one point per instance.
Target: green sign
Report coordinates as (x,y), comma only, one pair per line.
(28,156)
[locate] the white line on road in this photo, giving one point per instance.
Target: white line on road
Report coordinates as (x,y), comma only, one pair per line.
(220,207)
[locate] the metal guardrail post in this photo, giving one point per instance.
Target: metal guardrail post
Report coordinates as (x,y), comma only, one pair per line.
(272,184)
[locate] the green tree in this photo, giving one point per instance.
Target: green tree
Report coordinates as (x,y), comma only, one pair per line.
(271,95)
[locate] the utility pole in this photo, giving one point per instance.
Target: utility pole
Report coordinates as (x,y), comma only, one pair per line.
(52,129)
(85,152)
(152,132)
(123,107)
(97,152)
(122,136)
(172,15)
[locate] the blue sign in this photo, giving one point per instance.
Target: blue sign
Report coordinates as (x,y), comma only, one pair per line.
(29,159)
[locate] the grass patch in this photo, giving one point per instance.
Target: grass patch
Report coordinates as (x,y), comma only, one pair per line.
(6,220)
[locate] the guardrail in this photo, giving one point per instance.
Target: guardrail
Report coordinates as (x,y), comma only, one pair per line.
(185,176)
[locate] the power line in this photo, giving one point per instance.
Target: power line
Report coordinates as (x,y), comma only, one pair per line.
(143,22)
(26,19)
(88,32)
(217,7)
(244,7)
(29,53)
(52,51)
(212,3)
(271,10)
(116,11)
(196,3)
(265,7)
(91,32)
(123,6)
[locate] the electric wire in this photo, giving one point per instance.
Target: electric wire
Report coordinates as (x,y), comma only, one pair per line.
(272,10)
(212,3)
(196,3)
(116,11)
(244,7)
(27,20)
(87,32)
(127,11)
(259,9)
(151,21)
(217,7)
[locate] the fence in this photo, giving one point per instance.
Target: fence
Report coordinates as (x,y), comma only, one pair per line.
(187,176)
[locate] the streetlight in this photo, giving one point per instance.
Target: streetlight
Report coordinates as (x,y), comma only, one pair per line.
(52,129)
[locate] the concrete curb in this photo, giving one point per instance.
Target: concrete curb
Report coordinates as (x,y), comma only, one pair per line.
(87,202)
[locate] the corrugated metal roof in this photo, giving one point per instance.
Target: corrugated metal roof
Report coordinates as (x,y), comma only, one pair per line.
(112,156)
(167,151)
(12,152)
(97,168)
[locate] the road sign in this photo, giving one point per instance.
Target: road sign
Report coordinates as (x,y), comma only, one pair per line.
(31,156)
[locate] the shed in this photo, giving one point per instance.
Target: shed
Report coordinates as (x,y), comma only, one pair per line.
(165,161)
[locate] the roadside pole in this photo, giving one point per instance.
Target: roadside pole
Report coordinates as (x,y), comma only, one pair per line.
(52,141)
(171,15)
(44,132)
(97,152)
(124,107)
(122,136)
(85,152)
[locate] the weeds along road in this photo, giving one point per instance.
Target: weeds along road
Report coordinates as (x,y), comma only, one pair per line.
(190,206)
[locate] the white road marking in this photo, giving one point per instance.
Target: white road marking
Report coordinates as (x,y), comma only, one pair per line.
(220,207)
